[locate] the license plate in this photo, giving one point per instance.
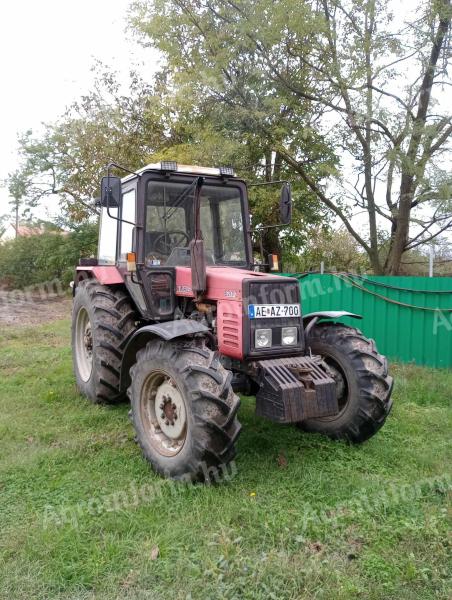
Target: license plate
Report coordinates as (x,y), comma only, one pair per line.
(271,311)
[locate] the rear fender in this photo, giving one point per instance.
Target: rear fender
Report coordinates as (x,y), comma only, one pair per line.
(105,275)
(167,331)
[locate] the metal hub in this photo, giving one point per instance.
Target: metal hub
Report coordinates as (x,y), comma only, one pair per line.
(170,410)
(88,341)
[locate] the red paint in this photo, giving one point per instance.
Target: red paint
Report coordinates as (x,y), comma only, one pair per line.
(107,275)
(230,328)
(224,284)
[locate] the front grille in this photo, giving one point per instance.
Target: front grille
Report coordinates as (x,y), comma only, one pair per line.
(282,291)
(231,335)
(266,291)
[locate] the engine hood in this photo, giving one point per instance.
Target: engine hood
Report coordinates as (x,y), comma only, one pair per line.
(223,282)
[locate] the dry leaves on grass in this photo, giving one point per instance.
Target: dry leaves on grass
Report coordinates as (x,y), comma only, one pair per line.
(282,461)
(315,547)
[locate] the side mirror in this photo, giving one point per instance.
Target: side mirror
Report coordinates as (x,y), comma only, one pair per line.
(110,192)
(285,204)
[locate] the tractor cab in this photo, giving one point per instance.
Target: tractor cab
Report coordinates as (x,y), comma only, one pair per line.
(153,214)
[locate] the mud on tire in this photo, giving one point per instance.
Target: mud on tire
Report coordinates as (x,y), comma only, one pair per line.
(206,445)
(106,317)
(363,384)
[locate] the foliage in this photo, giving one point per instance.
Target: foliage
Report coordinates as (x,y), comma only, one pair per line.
(314,92)
(17,188)
(304,517)
(4,219)
(338,250)
(68,159)
(220,93)
(321,85)
(28,261)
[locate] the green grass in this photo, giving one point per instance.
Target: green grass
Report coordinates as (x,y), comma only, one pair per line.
(303,517)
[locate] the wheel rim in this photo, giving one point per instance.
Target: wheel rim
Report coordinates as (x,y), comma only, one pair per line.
(84,344)
(164,413)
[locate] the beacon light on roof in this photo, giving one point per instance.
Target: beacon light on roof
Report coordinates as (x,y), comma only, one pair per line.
(168,165)
(227,171)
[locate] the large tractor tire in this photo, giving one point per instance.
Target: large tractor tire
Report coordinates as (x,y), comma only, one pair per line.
(102,318)
(184,410)
(362,383)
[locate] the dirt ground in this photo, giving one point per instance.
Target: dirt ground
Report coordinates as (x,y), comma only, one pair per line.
(32,311)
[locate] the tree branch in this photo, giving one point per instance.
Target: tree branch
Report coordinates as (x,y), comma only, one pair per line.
(410,245)
(319,193)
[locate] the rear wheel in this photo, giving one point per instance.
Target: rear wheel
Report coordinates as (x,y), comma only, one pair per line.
(184,410)
(102,318)
(363,385)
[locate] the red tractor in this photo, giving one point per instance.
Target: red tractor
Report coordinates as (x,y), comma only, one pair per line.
(174,313)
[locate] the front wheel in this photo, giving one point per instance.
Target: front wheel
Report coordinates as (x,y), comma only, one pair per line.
(184,410)
(363,385)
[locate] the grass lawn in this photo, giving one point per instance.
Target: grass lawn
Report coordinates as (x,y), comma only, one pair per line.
(301,518)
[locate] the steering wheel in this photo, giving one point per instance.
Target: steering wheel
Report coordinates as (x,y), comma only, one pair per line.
(166,242)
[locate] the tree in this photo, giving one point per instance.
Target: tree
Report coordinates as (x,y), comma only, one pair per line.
(3,223)
(106,125)
(338,250)
(323,83)
(17,188)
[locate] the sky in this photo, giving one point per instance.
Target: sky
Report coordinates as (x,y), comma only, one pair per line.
(48,48)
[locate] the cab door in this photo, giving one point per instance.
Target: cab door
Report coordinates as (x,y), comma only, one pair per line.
(127,242)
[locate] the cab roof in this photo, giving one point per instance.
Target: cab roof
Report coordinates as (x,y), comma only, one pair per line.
(190,169)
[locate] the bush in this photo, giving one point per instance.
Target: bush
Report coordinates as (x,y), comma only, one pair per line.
(32,260)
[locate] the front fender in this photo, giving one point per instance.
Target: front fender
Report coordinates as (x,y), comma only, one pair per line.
(167,331)
(330,314)
(311,319)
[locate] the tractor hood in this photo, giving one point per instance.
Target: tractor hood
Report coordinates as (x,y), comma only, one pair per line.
(223,283)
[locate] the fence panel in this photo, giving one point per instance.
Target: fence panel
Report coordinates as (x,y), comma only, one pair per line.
(410,318)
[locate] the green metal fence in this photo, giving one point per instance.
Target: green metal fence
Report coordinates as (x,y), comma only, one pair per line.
(410,318)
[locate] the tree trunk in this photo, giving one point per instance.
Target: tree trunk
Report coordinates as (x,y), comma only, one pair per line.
(17,218)
(375,262)
(367,146)
(401,228)
(270,245)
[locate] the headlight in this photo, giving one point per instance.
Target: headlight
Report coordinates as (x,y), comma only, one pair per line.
(289,336)
(263,338)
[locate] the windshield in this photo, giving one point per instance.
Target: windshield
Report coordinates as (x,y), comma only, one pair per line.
(170,224)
